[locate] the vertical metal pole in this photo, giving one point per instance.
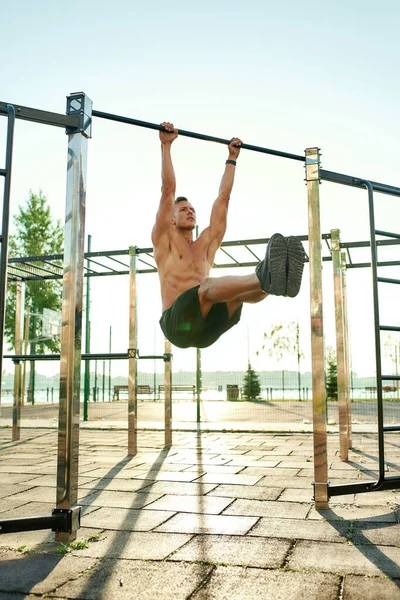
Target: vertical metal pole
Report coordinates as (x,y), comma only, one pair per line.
(340,351)
(109,366)
(95,382)
(298,359)
(317,330)
(133,356)
(19,323)
(25,351)
(168,395)
(71,327)
(87,338)
(4,228)
(346,349)
(377,332)
(103,382)
(198,384)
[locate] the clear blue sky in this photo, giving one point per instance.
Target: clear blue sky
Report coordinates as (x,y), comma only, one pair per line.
(282,75)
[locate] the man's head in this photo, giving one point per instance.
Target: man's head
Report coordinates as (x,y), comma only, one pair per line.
(184,215)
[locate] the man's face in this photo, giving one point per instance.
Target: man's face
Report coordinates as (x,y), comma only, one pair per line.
(184,216)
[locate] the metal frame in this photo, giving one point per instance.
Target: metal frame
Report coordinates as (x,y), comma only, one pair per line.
(78,126)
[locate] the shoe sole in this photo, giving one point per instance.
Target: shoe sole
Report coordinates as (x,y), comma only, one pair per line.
(296,258)
(276,258)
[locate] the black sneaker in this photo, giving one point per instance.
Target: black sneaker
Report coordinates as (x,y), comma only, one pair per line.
(272,270)
(296,258)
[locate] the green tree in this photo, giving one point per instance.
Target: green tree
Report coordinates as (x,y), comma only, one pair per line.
(36,234)
(331,375)
(282,340)
(251,385)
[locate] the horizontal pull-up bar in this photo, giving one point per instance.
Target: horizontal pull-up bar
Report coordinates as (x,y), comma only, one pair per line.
(105,356)
(197,136)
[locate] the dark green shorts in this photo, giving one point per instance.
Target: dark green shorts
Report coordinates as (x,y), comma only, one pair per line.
(184,326)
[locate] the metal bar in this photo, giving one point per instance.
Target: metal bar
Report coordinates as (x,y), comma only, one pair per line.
(5,226)
(42,116)
(71,329)
(387,234)
(340,352)
(390,377)
(357,182)
(32,523)
(387,280)
(168,397)
(132,365)
(86,387)
(346,349)
(367,243)
(191,134)
(317,331)
(230,256)
(19,324)
(388,328)
(84,356)
(378,353)
(391,428)
(3,172)
(388,483)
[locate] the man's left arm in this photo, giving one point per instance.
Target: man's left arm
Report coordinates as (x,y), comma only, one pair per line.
(219,211)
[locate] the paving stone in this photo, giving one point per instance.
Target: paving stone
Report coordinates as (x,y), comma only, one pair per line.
(377,498)
(286,481)
(249,492)
(256,508)
(191,504)
(37,494)
(366,588)
(134,545)
(119,499)
(38,573)
(235,583)
(124,580)
(355,513)
(201,523)
(346,558)
(168,476)
(214,469)
(234,479)
(230,550)
(249,461)
(307,495)
(117,485)
(179,488)
(110,473)
(301,529)
(380,534)
(11,478)
(125,519)
(270,473)
(39,540)
(51,481)
(9,504)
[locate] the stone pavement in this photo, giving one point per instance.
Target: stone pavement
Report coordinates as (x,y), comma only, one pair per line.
(224,516)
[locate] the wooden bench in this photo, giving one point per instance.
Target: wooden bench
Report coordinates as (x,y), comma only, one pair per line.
(140,389)
(179,388)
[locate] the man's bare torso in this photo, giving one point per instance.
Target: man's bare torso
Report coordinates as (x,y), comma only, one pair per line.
(181,264)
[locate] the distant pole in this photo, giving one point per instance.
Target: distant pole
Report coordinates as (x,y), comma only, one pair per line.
(198,371)
(109,367)
(104,380)
(86,389)
(298,359)
(95,382)
(154,366)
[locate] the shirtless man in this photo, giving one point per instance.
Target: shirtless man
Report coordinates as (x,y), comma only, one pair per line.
(198,309)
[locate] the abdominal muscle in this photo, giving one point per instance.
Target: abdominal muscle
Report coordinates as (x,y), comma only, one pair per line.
(180,270)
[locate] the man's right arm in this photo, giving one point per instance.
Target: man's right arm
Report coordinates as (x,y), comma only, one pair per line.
(168,186)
